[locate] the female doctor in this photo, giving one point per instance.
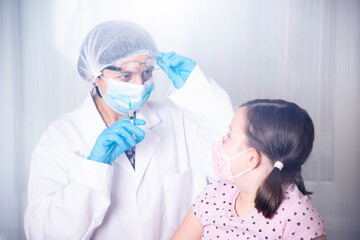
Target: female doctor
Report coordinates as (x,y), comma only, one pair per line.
(98,174)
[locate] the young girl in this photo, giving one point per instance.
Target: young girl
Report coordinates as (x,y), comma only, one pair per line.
(261,193)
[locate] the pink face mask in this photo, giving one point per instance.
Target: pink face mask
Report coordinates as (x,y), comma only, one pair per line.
(221,162)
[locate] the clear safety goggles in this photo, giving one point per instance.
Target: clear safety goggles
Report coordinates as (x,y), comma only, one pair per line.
(133,67)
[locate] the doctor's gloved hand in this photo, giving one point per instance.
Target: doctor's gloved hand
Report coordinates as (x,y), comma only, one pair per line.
(116,139)
(178,68)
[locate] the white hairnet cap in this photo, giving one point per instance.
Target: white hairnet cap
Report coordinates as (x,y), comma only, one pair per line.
(110,43)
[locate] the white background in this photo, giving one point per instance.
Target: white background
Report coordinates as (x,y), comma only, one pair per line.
(303,51)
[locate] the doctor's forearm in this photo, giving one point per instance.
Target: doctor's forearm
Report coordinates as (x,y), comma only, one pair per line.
(204,97)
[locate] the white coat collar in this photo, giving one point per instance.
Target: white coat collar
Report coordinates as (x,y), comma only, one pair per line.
(145,150)
(90,123)
(148,114)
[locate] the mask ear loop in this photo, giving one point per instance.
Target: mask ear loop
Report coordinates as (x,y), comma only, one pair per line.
(246,171)
(104,79)
(232,158)
(240,174)
(98,89)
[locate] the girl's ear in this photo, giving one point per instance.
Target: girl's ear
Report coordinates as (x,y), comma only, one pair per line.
(255,158)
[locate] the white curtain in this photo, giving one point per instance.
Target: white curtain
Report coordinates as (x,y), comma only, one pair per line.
(303,51)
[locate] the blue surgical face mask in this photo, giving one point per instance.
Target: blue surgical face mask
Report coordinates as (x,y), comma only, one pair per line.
(119,94)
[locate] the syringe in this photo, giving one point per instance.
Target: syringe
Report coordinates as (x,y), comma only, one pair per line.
(131,113)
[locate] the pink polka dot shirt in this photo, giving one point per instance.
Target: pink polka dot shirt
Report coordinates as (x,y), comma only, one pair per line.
(296,217)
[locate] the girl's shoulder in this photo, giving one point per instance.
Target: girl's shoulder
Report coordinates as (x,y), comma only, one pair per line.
(294,199)
(299,214)
(218,188)
(214,198)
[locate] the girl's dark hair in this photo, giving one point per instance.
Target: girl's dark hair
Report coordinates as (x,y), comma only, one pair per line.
(283,132)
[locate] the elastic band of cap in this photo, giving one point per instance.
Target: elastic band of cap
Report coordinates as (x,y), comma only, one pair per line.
(278,165)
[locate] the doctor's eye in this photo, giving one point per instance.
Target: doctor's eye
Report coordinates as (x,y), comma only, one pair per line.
(147,74)
(125,76)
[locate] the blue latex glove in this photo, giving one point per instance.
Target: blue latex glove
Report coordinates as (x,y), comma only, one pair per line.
(116,139)
(178,68)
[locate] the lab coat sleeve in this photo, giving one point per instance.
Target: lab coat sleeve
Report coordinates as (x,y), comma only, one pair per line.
(207,115)
(68,195)
(207,103)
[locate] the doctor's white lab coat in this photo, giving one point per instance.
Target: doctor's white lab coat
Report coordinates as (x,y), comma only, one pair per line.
(71,197)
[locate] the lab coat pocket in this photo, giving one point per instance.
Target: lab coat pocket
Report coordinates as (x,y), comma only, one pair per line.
(178,192)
